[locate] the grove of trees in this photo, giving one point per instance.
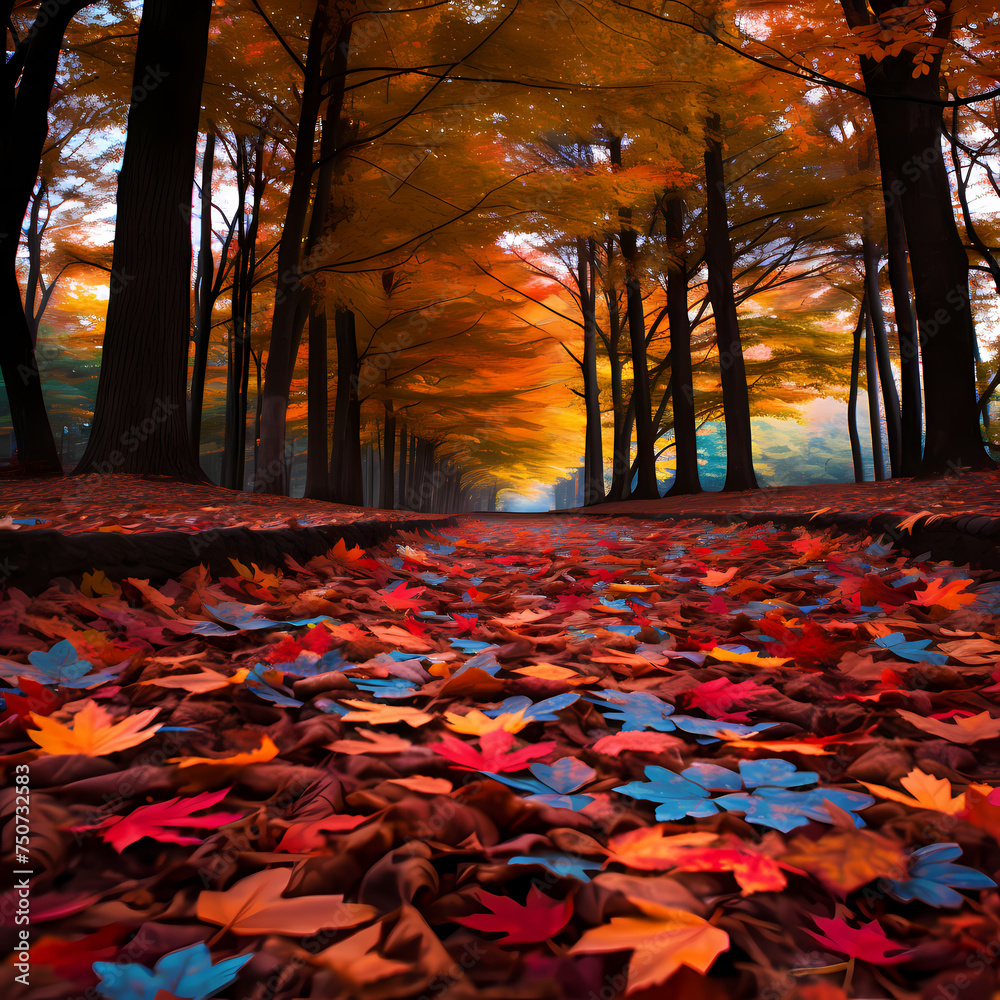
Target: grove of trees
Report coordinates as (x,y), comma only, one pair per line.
(430,251)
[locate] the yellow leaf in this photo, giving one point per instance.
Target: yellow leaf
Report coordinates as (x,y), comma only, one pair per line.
(476,723)
(384,715)
(244,571)
(266,751)
(92,732)
(926,792)
(255,905)
(753,659)
(661,941)
(96,583)
(779,746)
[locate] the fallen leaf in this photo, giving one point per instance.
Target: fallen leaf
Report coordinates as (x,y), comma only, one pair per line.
(255,905)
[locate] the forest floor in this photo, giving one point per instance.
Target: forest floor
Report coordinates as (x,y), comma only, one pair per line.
(503,757)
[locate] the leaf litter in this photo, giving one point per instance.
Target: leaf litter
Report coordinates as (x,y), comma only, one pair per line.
(530,758)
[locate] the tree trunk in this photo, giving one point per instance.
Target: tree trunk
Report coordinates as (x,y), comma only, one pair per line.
(646,487)
(345,457)
(909,142)
(719,258)
(852,403)
(871,382)
(622,449)
(34,248)
(140,419)
(387,501)
(29,76)
(594,461)
(911,416)
(890,399)
(317,470)
(269,475)
(203,299)
(685,434)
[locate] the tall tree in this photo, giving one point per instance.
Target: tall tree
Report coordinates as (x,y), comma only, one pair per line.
(686,479)
(907,111)
(29,76)
(719,259)
(140,423)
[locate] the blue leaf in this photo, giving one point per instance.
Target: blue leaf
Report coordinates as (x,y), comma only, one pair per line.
(635,710)
(774,771)
(560,864)
(677,796)
(470,645)
(542,711)
(392,687)
(785,809)
(187,973)
(932,876)
(713,776)
(715,728)
(486,662)
(566,775)
(915,651)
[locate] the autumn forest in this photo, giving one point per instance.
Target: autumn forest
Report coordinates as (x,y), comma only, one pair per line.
(415,256)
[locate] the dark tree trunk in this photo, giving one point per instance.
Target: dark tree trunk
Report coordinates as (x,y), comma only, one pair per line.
(852,403)
(140,419)
(239,347)
(345,457)
(646,487)
(909,142)
(269,476)
(29,75)
(685,436)
(871,383)
(203,299)
(594,461)
(34,248)
(911,414)
(890,399)
(719,258)
(317,432)
(622,449)
(387,501)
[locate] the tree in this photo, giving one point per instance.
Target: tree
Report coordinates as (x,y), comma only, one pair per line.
(140,421)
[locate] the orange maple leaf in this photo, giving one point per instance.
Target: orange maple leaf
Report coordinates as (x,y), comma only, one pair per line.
(946,594)
(661,941)
(92,732)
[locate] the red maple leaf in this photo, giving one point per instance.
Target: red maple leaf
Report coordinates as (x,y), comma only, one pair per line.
(811,647)
(37,698)
(496,754)
(403,596)
(155,821)
(716,697)
(867,942)
(465,623)
(537,920)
